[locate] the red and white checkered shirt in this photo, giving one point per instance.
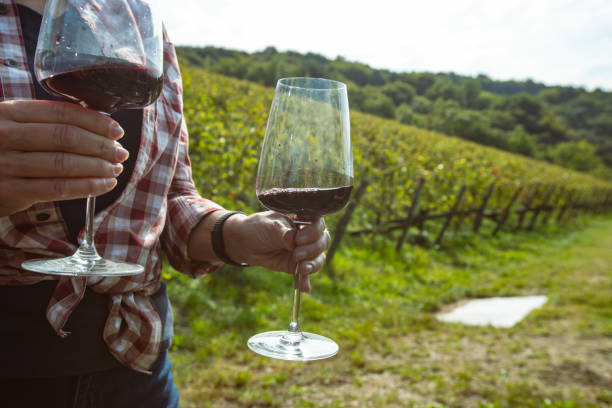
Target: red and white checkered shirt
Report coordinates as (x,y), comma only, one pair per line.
(153,217)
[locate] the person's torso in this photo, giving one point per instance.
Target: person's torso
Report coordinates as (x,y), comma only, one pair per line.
(29,347)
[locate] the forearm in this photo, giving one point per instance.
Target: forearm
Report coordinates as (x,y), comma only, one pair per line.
(200,240)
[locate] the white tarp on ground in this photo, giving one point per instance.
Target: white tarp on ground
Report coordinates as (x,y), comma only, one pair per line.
(496,312)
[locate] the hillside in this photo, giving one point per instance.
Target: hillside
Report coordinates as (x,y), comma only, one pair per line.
(227,120)
(568,126)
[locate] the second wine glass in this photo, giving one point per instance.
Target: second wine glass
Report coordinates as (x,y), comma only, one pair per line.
(306,172)
(105,55)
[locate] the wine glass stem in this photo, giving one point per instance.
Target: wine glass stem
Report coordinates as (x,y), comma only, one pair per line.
(294,326)
(87,249)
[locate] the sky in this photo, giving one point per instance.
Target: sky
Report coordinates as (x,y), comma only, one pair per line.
(557,42)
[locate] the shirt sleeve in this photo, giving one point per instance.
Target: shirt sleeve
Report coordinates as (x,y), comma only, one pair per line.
(186,207)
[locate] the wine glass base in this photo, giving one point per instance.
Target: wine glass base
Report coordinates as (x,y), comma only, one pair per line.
(284,345)
(76,266)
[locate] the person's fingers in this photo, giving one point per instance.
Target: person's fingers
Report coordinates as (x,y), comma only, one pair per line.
(305,284)
(310,233)
(311,266)
(56,165)
(33,111)
(307,268)
(313,249)
(43,190)
(38,137)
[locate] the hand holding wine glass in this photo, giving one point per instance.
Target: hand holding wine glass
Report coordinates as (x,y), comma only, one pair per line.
(105,55)
(306,172)
(55,151)
(270,239)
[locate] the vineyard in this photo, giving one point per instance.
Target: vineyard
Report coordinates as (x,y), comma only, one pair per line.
(227,120)
(378,302)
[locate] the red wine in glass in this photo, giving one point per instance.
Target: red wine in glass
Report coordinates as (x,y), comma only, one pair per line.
(306,203)
(107,86)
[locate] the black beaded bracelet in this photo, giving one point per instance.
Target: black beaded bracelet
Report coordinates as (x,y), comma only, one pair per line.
(217,239)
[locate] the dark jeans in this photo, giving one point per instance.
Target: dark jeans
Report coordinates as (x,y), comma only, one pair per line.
(115,388)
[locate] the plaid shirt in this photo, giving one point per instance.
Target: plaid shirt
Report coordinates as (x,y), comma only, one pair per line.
(153,216)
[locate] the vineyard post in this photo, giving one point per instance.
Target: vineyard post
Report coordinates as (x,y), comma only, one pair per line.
(483,206)
(527,207)
(343,222)
(553,204)
(378,222)
(451,214)
(539,208)
(460,217)
(421,220)
(411,212)
(566,204)
(506,212)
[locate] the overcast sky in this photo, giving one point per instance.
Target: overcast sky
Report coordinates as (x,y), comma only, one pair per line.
(558,42)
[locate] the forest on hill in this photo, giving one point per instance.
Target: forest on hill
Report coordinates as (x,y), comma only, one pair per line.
(568,126)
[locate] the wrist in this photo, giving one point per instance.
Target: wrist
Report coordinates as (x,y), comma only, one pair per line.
(227,237)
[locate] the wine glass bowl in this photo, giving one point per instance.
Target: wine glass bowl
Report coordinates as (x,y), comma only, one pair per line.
(104,55)
(305,172)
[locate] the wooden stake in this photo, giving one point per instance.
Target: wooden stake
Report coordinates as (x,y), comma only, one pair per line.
(483,206)
(506,212)
(411,212)
(523,212)
(451,214)
(539,208)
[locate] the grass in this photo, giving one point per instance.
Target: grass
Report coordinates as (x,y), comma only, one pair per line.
(380,307)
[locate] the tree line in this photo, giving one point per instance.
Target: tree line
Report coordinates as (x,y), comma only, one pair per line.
(568,126)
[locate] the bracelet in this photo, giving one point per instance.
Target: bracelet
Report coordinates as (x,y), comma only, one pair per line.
(217,239)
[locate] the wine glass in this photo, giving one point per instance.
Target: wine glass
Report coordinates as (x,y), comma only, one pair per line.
(105,55)
(305,171)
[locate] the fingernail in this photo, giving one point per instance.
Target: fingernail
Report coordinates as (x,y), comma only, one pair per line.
(110,183)
(120,153)
(300,254)
(308,267)
(117,169)
(116,131)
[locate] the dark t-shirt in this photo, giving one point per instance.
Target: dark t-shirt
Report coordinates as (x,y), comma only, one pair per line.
(29,347)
